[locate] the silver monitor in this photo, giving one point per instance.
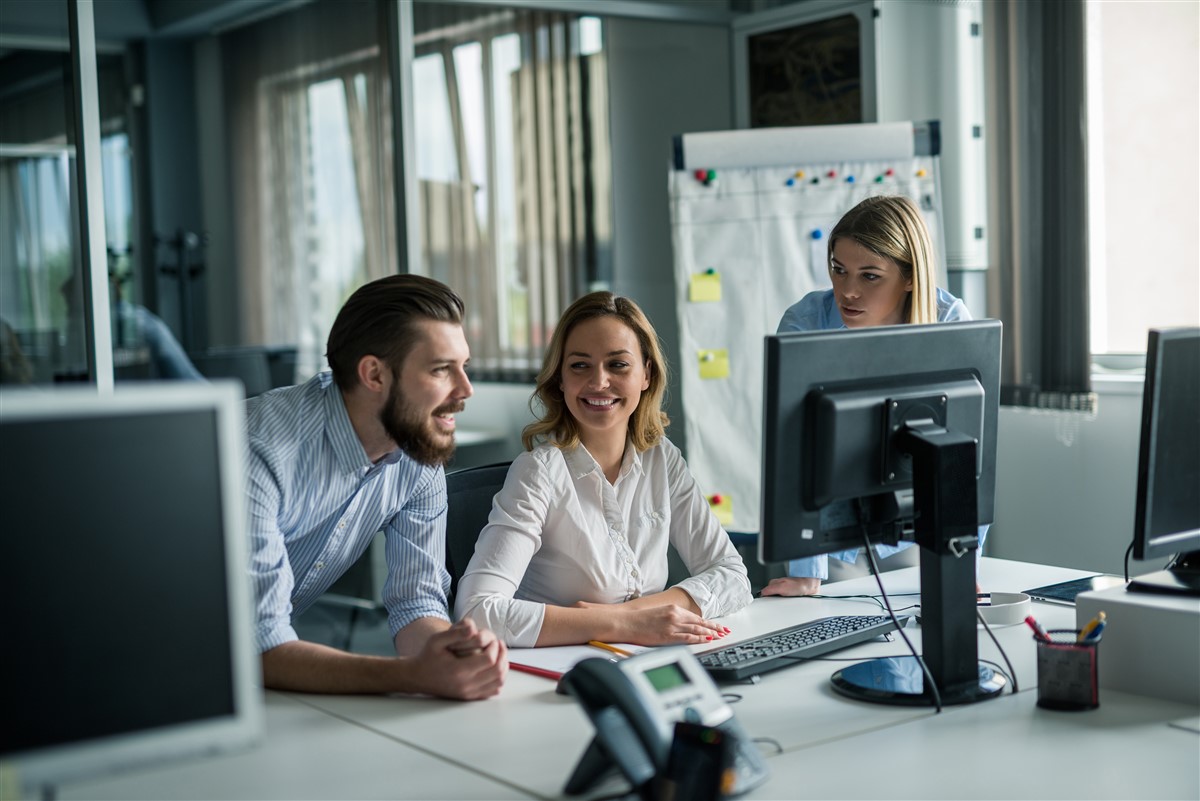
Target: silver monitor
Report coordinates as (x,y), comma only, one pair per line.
(126,609)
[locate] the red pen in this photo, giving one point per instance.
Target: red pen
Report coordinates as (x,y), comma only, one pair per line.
(537,671)
(1038,631)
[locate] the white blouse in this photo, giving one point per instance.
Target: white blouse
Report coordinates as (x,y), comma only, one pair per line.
(560,533)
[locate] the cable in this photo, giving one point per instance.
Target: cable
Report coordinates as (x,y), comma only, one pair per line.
(933,688)
(999,647)
(769,740)
(873,598)
(1128,551)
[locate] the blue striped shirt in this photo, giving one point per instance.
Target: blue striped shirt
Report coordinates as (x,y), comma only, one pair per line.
(316,501)
(818,311)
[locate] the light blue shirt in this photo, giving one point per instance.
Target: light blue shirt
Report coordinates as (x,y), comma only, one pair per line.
(817,311)
(316,501)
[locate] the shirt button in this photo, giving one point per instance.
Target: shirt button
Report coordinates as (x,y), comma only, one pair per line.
(319,566)
(634,574)
(342,524)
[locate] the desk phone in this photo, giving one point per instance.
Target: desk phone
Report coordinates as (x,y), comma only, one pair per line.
(635,703)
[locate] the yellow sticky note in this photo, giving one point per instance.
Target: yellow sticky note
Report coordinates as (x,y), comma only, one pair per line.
(722,507)
(714,363)
(705,287)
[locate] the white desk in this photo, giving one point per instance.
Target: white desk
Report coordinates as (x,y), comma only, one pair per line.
(1004,748)
(306,754)
(528,739)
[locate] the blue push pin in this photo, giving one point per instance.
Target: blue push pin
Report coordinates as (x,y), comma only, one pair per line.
(816,234)
(849,179)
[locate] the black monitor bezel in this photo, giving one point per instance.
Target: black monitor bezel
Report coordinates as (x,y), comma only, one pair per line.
(1147,544)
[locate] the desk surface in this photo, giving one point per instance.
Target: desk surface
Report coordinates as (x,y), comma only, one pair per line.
(528,739)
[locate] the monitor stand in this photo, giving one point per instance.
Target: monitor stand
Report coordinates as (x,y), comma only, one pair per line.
(1182,578)
(945,504)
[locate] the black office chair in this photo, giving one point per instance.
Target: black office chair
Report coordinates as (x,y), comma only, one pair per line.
(469,492)
(248,365)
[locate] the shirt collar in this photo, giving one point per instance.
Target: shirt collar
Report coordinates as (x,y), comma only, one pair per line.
(347,448)
(580,462)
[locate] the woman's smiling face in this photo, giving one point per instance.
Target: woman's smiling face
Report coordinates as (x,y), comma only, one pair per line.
(603,377)
(870,289)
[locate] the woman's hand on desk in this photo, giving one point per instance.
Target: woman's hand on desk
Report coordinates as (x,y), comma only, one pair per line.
(792,586)
(659,625)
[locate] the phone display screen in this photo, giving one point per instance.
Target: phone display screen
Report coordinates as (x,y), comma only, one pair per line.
(666,677)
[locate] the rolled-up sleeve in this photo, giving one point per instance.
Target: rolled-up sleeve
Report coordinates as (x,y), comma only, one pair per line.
(503,552)
(415,550)
(718,582)
(270,570)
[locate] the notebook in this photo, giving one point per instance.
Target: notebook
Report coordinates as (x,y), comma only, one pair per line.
(1064,592)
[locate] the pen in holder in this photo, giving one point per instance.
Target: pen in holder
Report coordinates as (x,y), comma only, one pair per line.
(1066,669)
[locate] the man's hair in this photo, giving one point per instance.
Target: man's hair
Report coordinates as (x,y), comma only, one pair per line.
(380,319)
(555,423)
(892,226)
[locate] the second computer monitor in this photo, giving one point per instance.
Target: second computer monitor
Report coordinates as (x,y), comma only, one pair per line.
(835,404)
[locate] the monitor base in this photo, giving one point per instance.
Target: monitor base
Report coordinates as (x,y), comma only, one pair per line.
(899,681)
(1174,581)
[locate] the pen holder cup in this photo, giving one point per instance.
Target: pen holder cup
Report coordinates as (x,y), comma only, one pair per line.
(1066,671)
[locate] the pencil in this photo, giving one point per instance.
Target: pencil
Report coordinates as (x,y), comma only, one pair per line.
(611,648)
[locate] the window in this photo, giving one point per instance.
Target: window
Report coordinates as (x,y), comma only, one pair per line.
(511,161)
(1144,163)
(311,148)
(513,166)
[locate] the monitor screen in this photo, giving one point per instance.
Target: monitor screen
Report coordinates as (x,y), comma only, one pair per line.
(1167,517)
(833,405)
(127,616)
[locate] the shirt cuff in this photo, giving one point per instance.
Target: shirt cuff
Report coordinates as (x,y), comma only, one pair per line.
(399,618)
(273,636)
(812,567)
(701,593)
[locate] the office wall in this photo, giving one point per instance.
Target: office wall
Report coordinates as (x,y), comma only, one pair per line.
(665,78)
(1065,483)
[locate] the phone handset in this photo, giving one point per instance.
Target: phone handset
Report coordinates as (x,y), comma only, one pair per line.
(634,704)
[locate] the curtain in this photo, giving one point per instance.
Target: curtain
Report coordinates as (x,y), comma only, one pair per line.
(310,132)
(517,220)
(1038,179)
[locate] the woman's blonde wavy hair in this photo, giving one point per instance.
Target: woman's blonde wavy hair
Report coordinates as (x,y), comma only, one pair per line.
(555,423)
(892,226)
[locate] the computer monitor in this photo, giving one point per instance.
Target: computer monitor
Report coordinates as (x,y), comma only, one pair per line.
(1167,521)
(126,608)
(889,431)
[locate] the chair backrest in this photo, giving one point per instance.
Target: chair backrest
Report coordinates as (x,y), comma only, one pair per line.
(248,365)
(469,493)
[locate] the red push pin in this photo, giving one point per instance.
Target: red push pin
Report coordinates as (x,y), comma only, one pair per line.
(890,172)
(716,500)
(701,175)
(831,174)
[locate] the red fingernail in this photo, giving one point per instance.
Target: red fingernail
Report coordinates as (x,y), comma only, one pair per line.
(709,637)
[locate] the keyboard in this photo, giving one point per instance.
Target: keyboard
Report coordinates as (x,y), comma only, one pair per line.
(791,646)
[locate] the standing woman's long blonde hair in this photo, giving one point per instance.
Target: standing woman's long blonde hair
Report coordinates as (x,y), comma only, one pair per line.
(892,226)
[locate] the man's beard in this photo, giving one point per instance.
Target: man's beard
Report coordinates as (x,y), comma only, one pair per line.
(415,432)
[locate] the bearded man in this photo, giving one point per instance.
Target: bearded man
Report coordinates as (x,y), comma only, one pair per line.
(354,451)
